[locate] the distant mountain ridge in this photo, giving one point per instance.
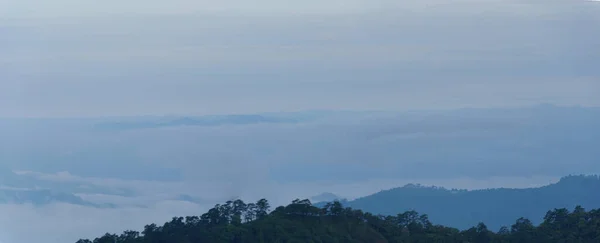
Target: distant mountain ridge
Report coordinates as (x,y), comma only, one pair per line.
(495,207)
(198,121)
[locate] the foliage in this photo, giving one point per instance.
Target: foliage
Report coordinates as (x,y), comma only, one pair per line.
(300,221)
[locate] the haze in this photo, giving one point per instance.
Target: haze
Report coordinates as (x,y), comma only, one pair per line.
(108,108)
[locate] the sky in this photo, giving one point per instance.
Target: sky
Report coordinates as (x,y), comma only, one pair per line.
(73,58)
(108,59)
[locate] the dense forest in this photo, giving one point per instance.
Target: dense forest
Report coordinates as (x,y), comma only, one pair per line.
(496,207)
(300,221)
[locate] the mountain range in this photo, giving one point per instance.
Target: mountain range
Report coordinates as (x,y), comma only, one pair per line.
(301,221)
(496,207)
(196,121)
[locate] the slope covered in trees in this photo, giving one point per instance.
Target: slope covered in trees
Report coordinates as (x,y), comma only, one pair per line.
(496,207)
(236,221)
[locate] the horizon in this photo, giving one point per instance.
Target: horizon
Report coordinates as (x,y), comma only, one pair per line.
(115,114)
(275,112)
(136,180)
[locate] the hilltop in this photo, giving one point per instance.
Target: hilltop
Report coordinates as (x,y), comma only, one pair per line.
(496,207)
(236,221)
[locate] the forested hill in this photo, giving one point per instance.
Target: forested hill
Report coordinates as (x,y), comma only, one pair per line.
(495,207)
(236,221)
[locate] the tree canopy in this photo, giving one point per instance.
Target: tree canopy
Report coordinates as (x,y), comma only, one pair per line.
(300,221)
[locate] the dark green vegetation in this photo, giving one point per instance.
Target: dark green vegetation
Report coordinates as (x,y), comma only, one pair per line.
(496,207)
(300,221)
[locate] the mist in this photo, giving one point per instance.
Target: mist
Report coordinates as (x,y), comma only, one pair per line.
(114,115)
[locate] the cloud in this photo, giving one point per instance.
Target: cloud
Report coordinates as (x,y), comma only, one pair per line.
(157,202)
(272,7)
(78,8)
(346,153)
(396,56)
(67,223)
(56,223)
(69,58)
(260,7)
(233,158)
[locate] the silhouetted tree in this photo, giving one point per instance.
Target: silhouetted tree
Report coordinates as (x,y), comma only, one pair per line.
(300,221)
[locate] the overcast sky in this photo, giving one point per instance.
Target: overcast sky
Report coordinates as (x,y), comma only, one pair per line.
(96,58)
(74,58)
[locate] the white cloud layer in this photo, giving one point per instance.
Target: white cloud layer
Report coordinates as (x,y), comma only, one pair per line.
(100,58)
(350,154)
(59,223)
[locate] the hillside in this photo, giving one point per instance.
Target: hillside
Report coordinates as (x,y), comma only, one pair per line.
(495,207)
(236,221)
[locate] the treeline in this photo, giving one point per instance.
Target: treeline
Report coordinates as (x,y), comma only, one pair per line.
(301,222)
